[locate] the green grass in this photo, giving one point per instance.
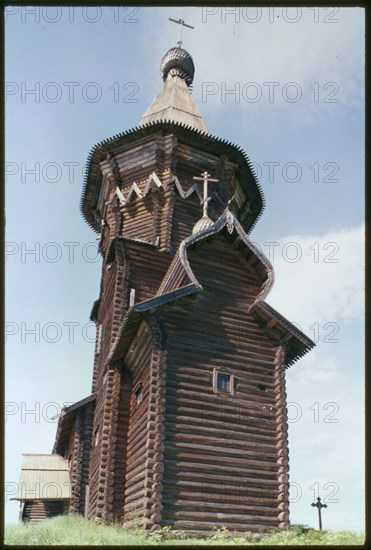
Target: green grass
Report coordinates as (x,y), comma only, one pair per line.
(68,530)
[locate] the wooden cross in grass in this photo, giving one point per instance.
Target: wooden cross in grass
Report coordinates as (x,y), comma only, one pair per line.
(319,505)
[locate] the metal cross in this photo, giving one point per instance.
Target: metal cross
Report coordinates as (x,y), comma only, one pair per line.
(182,24)
(319,505)
(205,178)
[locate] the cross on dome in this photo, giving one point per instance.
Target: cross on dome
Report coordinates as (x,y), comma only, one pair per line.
(205,178)
(182,24)
(205,221)
(174,102)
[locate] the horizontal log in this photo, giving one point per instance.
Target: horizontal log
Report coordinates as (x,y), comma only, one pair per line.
(193,508)
(194,500)
(175,471)
(238,524)
(205,445)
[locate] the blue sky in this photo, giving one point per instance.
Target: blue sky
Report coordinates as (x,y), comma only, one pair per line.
(287,85)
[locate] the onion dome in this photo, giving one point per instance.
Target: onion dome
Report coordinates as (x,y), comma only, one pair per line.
(174,102)
(202,224)
(178,62)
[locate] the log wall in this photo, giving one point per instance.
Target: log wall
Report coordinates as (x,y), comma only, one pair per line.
(35,511)
(282,439)
(80,458)
(139,218)
(152,216)
(150,460)
(138,360)
(122,404)
(147,267)
(184,219)
(221,450)
(143,492)
(99,471)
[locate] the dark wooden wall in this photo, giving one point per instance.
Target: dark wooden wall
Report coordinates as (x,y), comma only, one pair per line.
(79,456)
(123,393)
(221,455)
(150,462)
(138,361)
(163,213)
(35,511)
(147,267)
(143,494)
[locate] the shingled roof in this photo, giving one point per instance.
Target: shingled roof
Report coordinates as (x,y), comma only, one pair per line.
(174,103)
(44,477)
(66,420)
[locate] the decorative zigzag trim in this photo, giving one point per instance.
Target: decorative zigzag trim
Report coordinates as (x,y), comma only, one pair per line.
(134,189)
(106,145)
(185,194)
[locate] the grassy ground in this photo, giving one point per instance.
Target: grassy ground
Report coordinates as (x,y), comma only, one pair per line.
(67,530)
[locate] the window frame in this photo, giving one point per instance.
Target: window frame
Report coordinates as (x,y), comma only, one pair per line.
(138,394)
(231,390)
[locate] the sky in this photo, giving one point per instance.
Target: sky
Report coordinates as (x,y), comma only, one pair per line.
(285,84)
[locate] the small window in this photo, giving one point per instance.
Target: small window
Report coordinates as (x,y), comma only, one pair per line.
(224,381)
(96,437)
(132,297)
(138,393)
(99,339)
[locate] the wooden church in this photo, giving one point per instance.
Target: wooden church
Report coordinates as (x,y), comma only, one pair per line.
(186,425)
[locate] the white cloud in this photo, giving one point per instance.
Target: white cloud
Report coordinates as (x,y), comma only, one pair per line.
(281,45)
(316,368)
(326,283)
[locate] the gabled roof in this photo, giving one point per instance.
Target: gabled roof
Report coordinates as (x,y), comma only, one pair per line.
(180,282)
(181,272)
(44,477)
(66,419)
(297,343)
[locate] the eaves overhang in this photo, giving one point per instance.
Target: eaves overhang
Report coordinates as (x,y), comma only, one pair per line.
(249,181)
(66,419)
